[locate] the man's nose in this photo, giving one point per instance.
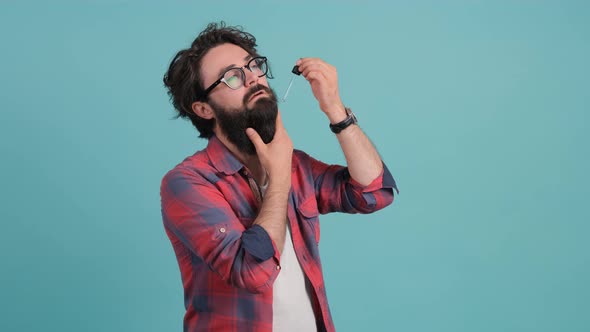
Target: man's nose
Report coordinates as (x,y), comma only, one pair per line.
(251,78)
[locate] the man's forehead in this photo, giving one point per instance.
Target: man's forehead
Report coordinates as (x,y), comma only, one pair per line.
(221,57)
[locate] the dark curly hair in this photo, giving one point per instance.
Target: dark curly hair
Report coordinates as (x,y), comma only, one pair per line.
(183,78)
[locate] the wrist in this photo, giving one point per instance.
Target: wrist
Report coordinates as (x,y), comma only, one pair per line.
(280,185)
(350,120)
(335,113)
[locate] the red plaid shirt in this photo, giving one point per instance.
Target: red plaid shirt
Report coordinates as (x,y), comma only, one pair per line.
(227,265)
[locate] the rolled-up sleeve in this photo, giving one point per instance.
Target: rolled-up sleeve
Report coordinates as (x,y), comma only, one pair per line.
(195,212)
(258,243)
(337,191)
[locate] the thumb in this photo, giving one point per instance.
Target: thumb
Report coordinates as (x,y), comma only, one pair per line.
(255,138)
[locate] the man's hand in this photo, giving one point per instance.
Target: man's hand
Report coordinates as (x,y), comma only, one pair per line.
(275,156)
(323,79)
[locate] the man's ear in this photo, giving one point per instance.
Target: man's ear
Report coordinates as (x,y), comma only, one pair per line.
(203,110)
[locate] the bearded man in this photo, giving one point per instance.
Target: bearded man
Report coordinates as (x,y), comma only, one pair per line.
(242,214)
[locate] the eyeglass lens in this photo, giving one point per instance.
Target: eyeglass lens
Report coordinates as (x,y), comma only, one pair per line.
(234,78)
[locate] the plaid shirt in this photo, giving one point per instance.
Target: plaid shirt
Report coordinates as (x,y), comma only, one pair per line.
(227,265)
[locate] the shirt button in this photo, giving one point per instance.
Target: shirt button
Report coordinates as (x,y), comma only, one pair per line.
(222,229)
(278,267)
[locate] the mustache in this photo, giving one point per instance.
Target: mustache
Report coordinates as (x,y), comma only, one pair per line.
(256,89)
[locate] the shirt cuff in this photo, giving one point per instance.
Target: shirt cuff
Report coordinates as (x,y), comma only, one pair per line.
(384,180)
(257,242)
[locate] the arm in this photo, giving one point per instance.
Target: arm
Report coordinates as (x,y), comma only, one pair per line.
(275,157)
(273,214)
(198,215)
(364,163)
(362,159)
(336,191)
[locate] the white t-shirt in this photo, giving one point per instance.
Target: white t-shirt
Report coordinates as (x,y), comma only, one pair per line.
(291,305)
(291,302)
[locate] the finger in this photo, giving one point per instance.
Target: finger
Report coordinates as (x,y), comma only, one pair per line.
(255,139)
(309,70)
(307,60)
(305,68)
(304,62)
(315,76)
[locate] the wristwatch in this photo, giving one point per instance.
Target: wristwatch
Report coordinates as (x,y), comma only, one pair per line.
(340,126)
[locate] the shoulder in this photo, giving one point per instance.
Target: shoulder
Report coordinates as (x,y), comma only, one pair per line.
(301,160)
(301,156)
(306,164)
(193,169)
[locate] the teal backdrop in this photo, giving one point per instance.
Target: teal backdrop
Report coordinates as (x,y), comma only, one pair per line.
(479,108)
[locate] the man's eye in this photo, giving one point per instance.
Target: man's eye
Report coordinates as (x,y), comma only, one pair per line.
(233,81)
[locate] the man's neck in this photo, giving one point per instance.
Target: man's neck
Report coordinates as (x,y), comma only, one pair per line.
(251,162)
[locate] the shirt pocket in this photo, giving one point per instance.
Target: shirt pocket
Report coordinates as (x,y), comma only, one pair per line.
(308,211)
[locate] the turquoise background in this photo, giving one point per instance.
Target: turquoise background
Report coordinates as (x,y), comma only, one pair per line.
(479,108)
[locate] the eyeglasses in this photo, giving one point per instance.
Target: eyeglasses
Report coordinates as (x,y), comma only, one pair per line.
(235,78)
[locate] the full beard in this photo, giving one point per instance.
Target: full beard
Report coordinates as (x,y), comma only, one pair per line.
(261,117)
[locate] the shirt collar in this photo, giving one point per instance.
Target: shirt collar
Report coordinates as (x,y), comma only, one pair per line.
(221,158)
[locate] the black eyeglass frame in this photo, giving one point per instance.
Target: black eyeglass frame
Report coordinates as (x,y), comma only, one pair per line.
(222,78)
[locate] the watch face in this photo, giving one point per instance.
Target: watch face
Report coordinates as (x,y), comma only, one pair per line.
(351,115)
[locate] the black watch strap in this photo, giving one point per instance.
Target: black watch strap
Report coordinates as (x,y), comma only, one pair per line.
(340,126)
